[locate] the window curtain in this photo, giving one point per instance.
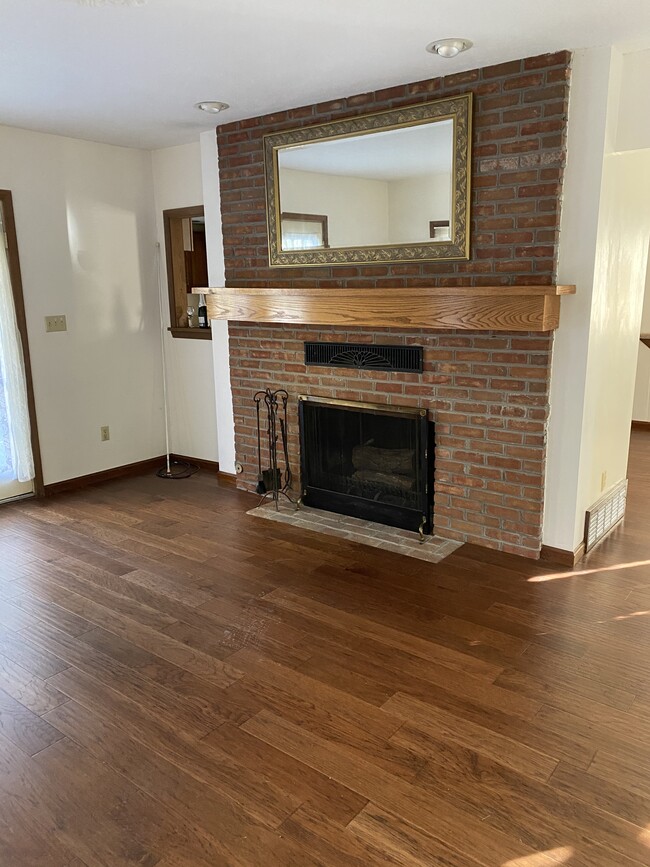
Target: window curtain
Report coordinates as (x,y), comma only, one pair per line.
(16,458)
(300,241)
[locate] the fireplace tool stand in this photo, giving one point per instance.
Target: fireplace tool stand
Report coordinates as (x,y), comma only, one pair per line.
(273,482)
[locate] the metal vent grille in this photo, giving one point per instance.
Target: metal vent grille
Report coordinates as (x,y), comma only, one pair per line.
(605,514)
(407,359)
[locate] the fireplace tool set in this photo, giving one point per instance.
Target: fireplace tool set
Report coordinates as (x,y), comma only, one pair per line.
(273,481)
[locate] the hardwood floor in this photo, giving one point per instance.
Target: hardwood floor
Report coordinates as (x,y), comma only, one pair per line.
(183,684)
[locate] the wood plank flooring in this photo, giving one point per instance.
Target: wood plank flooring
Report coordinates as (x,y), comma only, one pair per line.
(183,684)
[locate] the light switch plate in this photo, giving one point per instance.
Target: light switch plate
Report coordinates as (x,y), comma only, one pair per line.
(55,323)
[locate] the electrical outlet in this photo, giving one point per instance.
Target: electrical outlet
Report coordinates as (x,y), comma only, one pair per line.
(603,480)
(55,323)
(105,433)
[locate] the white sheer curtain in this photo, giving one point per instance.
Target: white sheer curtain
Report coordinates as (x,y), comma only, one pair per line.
(16,458)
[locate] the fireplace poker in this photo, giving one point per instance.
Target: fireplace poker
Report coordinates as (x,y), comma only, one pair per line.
(261,487)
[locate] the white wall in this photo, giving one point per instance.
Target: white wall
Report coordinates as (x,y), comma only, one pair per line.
(621,263)
(604,250)
(356,208)
(363,212)
(413,202)
(641,408)
(588,102)
(633,133)
(216,275)
(633,128)
(86,242)
(178,183)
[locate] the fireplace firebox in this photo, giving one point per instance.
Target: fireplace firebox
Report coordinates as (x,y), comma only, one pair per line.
(368,460)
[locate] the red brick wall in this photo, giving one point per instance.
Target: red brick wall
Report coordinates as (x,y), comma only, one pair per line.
(488,392)
(518,155)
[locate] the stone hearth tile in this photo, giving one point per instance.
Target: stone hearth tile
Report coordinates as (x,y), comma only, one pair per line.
(364,532)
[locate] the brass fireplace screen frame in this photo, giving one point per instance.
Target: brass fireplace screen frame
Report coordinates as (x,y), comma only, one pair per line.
(417,518)
(384,408)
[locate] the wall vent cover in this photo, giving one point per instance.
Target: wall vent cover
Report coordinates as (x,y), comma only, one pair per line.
(407,359)
(605,514)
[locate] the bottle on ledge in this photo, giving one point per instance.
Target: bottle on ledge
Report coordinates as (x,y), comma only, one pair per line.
(203,312)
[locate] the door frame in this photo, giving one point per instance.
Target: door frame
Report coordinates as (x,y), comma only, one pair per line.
(17,290)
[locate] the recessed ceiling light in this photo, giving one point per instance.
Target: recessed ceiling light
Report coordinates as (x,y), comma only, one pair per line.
(212,106)
(449,47)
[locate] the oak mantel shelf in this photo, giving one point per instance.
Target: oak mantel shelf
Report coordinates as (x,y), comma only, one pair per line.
(476,308)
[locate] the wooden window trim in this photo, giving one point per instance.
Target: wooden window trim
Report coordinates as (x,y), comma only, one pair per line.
(309,218)
(176,270)
(437,224)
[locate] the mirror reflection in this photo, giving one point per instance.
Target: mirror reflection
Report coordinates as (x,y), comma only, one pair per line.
(304,231)
(379,188)
(393,186)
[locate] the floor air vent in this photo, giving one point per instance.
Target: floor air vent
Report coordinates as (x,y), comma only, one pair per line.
(407,359)
(605,514)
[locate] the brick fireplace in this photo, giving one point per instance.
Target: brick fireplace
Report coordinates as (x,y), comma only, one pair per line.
(487,391)
(488,394)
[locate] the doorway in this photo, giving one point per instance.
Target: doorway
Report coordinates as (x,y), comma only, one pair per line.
(20,468)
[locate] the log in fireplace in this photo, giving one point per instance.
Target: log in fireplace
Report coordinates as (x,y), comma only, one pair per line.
(368,460)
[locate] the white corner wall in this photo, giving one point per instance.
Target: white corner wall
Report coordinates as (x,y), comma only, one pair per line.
(356,208)
(178,183)
(216,275)
(603,250)
(413,203)
(641,408)
(86,243)
(576,264)
(633,126)
(621,263)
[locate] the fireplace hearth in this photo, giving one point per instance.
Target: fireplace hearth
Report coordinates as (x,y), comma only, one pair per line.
(369,461)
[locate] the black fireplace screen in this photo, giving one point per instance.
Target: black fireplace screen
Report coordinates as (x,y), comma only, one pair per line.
(373,462)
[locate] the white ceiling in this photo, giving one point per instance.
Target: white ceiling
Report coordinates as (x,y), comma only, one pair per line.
(130,74)
(384,156)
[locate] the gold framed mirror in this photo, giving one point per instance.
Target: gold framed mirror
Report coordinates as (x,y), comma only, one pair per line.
(389,187)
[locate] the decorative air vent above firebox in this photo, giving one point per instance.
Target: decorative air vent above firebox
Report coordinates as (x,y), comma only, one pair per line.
(407,359)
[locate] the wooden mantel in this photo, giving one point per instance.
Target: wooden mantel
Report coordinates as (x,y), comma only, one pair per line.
(477,308)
